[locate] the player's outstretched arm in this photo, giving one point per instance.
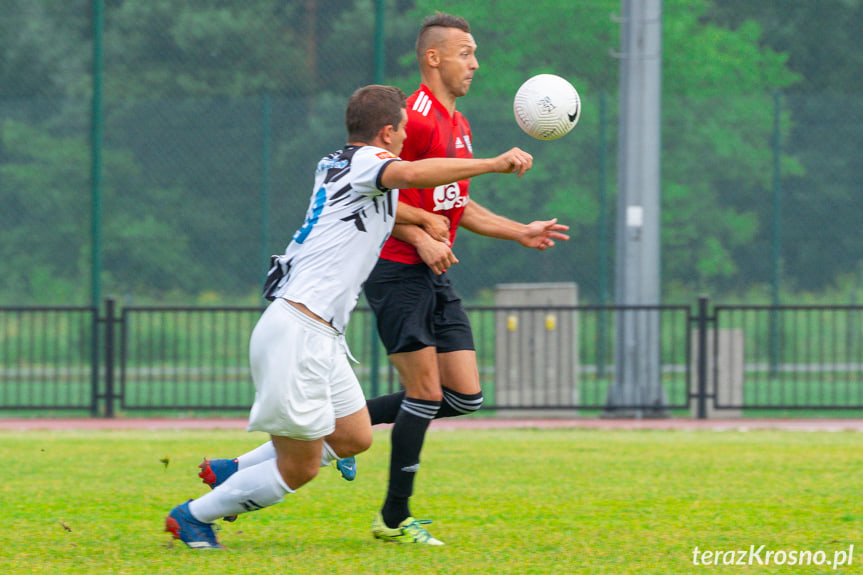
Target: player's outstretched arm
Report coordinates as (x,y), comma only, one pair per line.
(432,172)
(540,234)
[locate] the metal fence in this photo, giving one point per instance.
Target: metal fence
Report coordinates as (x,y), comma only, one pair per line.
(560,358)
(49,358)
(792,357)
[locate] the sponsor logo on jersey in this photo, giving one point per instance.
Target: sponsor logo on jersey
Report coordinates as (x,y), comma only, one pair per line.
(447,197)
(385,155)
(330,163)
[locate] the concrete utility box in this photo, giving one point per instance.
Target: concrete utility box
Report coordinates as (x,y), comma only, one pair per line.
(724,376)
(536,350)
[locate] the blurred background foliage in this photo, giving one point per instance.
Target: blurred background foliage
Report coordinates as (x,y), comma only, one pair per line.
(215,113)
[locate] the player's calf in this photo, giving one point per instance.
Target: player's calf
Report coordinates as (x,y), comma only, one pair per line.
(214,472)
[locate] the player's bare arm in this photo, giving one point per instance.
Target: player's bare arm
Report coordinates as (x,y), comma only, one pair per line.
(435,254)
(435,225)
(539,234)
(432,172)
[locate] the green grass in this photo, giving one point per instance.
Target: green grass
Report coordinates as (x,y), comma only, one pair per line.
(504,501)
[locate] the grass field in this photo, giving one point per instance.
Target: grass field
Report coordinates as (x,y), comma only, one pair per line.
(504,501)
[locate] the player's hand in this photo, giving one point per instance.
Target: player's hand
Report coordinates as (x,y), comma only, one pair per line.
(437,226)
(436,255)
(541,234)
(515,161)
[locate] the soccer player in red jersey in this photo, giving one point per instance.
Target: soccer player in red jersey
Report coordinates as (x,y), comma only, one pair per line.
(420,318)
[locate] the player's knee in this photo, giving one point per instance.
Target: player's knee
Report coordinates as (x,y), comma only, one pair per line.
(472,403)
(351,436)
(426,389)
(298,473)
(421,377)
(308,472)
(360,442)
(462,403)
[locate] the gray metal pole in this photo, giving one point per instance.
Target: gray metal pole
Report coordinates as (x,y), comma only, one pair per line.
(637,359)
(603,237)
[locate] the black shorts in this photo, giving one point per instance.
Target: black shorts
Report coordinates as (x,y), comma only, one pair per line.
(415,309)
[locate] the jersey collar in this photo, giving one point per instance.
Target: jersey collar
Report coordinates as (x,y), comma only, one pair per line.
(437,103)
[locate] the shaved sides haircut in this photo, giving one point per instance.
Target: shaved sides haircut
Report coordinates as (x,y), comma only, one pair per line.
(432,30)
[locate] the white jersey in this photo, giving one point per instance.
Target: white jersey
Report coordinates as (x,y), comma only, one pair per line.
(350,216)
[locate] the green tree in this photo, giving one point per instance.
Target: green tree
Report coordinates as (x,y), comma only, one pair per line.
(718,120)
(42,51)
(210,105)
(42,249)
(715,157)
(820,38)
(165,48)
(820,202)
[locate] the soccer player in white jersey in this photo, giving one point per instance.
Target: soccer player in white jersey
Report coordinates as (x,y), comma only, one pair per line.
(307,397)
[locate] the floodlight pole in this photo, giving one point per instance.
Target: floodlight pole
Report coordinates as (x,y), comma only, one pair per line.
(637,389)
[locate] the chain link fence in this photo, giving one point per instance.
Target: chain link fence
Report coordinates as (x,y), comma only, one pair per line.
(214,114)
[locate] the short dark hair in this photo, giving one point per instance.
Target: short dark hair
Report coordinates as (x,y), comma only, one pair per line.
(439,20)
(371,108)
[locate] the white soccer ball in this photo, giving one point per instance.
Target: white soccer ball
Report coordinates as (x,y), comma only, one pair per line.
(547,107)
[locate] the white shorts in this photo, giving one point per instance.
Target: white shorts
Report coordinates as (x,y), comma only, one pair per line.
(303,381)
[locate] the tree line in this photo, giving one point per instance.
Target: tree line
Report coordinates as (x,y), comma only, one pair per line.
(216,111)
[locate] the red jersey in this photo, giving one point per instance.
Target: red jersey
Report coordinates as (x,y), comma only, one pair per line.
(432,133)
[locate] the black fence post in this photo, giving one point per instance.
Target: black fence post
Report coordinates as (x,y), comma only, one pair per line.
(375,358)
(94,364)
(702,357)
(109,357)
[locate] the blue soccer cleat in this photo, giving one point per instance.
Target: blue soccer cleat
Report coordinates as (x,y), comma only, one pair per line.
(183,526)
(214,472)
(347,467)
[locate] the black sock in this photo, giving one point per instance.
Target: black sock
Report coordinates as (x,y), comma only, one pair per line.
(407,438)
(385,409)
(455,403)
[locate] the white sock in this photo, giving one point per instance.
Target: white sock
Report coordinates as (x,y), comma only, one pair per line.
(268,451)
(257,455)
(250,489)
(327,455)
